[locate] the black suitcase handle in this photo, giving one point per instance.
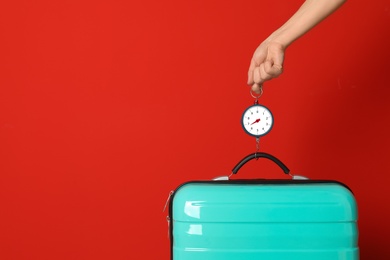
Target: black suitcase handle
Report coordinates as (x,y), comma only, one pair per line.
(260,155)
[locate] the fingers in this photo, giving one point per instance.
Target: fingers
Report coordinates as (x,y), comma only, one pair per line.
(258,57)
(266,71)
(266,64)
(258,75)
(273,70)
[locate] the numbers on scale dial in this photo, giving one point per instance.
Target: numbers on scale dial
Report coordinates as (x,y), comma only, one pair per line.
(257,120)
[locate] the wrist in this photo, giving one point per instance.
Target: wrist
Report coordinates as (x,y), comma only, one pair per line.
(279,38)
(275,43)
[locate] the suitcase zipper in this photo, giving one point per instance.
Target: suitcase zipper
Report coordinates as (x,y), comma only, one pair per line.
(169,227)
(169,197)
(168,216)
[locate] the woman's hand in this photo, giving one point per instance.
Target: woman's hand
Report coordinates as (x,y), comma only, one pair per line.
(266,64)
(267,61)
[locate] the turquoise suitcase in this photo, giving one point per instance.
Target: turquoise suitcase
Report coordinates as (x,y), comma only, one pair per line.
(225,219)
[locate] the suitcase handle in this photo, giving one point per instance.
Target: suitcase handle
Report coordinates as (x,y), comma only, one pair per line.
(260,155)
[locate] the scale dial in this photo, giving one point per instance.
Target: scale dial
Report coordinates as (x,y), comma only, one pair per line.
(257,120)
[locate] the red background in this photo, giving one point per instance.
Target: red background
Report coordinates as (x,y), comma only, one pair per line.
(106,106)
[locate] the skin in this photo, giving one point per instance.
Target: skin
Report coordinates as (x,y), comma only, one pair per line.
(267,60)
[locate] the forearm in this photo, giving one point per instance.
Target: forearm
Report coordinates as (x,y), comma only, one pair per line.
(308,15)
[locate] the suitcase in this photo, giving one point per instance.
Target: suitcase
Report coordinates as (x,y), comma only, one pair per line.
(225,219)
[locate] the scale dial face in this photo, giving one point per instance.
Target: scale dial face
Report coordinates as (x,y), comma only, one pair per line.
(257,120)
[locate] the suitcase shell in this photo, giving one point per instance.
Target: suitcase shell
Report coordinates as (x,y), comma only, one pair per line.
(263,219)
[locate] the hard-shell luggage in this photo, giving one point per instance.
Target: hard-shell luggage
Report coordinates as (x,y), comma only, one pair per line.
(293,219)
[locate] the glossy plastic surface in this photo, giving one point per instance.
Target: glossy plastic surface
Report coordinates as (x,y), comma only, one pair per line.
(263,221)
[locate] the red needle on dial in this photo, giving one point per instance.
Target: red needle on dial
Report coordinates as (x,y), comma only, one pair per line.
(257,120)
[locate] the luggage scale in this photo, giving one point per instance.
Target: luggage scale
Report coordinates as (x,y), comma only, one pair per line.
(257,121)
(295,219)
